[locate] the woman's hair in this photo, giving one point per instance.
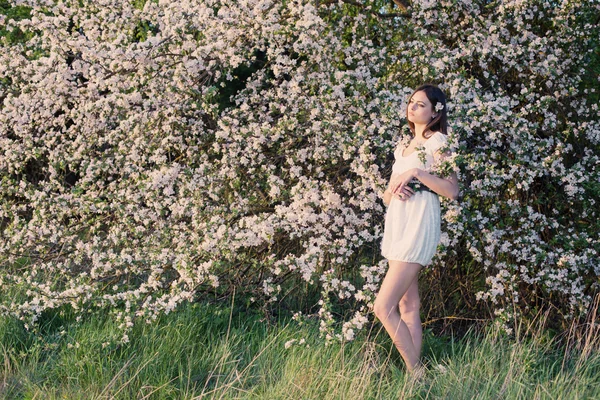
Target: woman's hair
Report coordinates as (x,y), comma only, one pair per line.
(435,96)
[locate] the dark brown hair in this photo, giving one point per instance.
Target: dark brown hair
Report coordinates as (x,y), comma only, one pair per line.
(435,96)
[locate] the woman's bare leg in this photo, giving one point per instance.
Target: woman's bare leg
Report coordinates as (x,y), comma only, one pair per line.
(410,305)
(397,281)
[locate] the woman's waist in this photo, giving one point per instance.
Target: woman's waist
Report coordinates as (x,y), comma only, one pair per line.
(418,186)
(427,196)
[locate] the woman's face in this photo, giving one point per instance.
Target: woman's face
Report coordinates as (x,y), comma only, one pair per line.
(420,109)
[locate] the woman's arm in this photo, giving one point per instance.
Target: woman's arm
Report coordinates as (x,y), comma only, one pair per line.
(401,195)
(387,197)
(447,187)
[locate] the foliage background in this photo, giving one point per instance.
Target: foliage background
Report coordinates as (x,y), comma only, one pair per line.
(156,153)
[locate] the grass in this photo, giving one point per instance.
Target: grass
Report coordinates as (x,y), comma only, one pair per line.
(208,352)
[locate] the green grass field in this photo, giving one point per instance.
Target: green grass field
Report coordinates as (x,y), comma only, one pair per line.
(204,351)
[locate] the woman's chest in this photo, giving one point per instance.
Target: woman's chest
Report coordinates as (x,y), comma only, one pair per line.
(417,159)
(412,154)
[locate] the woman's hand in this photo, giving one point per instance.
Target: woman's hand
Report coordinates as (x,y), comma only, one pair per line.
(399,185)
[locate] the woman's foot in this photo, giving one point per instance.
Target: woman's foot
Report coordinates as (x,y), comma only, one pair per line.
(417,374)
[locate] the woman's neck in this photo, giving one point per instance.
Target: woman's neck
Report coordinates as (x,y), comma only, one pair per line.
(419,132)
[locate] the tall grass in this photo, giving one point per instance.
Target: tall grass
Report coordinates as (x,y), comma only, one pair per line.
(208,352)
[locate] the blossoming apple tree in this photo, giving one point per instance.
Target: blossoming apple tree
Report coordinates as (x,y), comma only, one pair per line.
(157,152)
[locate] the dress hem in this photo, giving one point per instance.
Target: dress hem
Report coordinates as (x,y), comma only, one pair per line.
(408,261)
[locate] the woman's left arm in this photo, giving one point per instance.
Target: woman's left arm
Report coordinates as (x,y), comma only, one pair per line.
(447,187)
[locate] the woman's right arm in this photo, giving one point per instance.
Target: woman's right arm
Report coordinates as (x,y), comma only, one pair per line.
(387,196)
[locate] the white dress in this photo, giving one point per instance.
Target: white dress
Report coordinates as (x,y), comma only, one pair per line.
(412,227)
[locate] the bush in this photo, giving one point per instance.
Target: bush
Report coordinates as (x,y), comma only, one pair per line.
(155,152)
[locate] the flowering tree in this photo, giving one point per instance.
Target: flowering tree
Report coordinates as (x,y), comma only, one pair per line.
(155,152)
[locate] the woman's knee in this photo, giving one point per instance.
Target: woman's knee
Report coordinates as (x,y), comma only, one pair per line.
(383,309)
(410,306)
(411,301)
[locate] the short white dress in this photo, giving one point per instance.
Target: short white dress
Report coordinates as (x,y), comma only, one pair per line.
(412,227)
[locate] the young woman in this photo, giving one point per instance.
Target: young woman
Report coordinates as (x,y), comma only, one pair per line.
(412,222)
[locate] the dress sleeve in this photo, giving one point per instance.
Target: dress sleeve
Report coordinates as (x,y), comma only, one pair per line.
(436,141)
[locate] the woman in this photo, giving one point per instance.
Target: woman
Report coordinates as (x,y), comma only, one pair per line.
(412,222)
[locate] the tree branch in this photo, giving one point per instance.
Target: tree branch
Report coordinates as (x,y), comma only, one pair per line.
(402,4)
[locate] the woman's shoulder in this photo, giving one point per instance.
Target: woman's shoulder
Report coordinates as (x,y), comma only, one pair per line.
(436,140)
(437,135)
